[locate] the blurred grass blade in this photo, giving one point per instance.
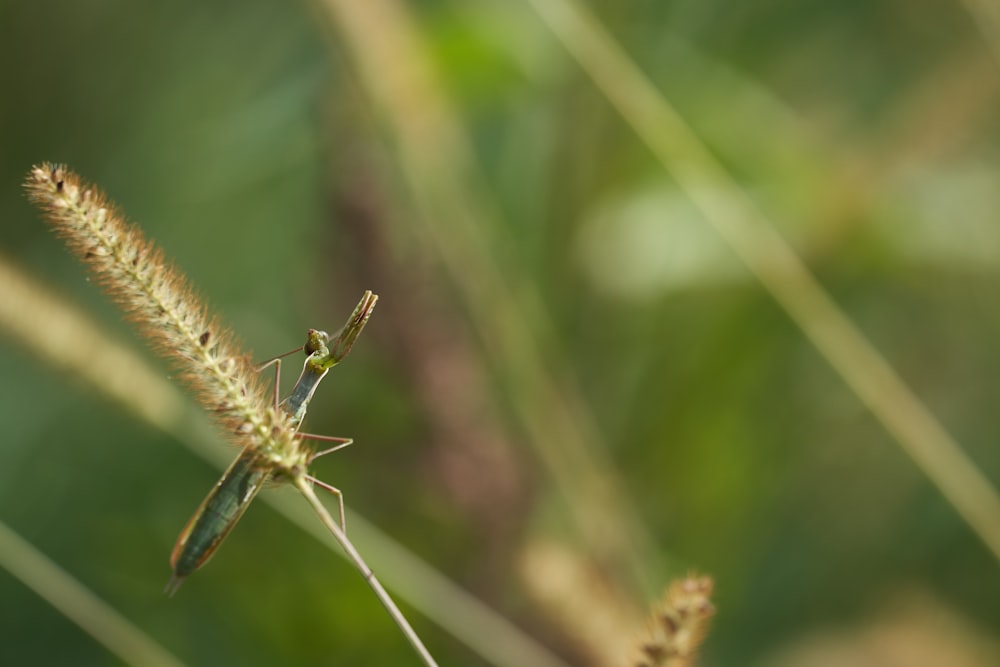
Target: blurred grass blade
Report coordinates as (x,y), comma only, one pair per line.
(986,14)
(393,63)
(74,601)
(601,624)
(73,344)
(68,341)
(733,214)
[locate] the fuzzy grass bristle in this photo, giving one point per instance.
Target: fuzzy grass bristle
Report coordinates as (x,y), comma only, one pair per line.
(160,300)
(678,624)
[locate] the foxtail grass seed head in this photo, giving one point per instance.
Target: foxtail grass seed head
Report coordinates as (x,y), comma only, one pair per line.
(678,624)
(160,300)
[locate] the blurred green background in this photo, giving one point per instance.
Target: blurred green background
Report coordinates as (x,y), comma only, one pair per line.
(246,140)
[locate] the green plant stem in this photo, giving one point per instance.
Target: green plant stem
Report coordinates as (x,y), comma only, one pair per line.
(305,487)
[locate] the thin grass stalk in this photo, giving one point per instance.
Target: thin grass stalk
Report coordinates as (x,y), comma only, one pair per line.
(305,488)
(489,635)
(731,211)
(80,605)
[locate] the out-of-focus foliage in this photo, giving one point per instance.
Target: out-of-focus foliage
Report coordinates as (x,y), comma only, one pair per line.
(238,135)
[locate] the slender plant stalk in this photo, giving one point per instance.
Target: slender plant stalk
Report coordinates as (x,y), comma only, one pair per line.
(734,215)
(491,636)
(77,603)
(159,299)
(305,487)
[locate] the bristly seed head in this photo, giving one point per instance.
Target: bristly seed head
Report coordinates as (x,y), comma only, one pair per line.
(160,300)
(678,625)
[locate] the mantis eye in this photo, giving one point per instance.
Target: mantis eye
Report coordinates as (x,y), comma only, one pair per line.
(316,340)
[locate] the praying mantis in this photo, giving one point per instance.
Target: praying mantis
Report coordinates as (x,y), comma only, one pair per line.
(246,476)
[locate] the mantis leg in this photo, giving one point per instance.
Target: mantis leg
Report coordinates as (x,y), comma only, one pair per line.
(276,361)
(341,443)
(335,491)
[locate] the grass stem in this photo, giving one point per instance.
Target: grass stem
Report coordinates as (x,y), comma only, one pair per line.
(305,487)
